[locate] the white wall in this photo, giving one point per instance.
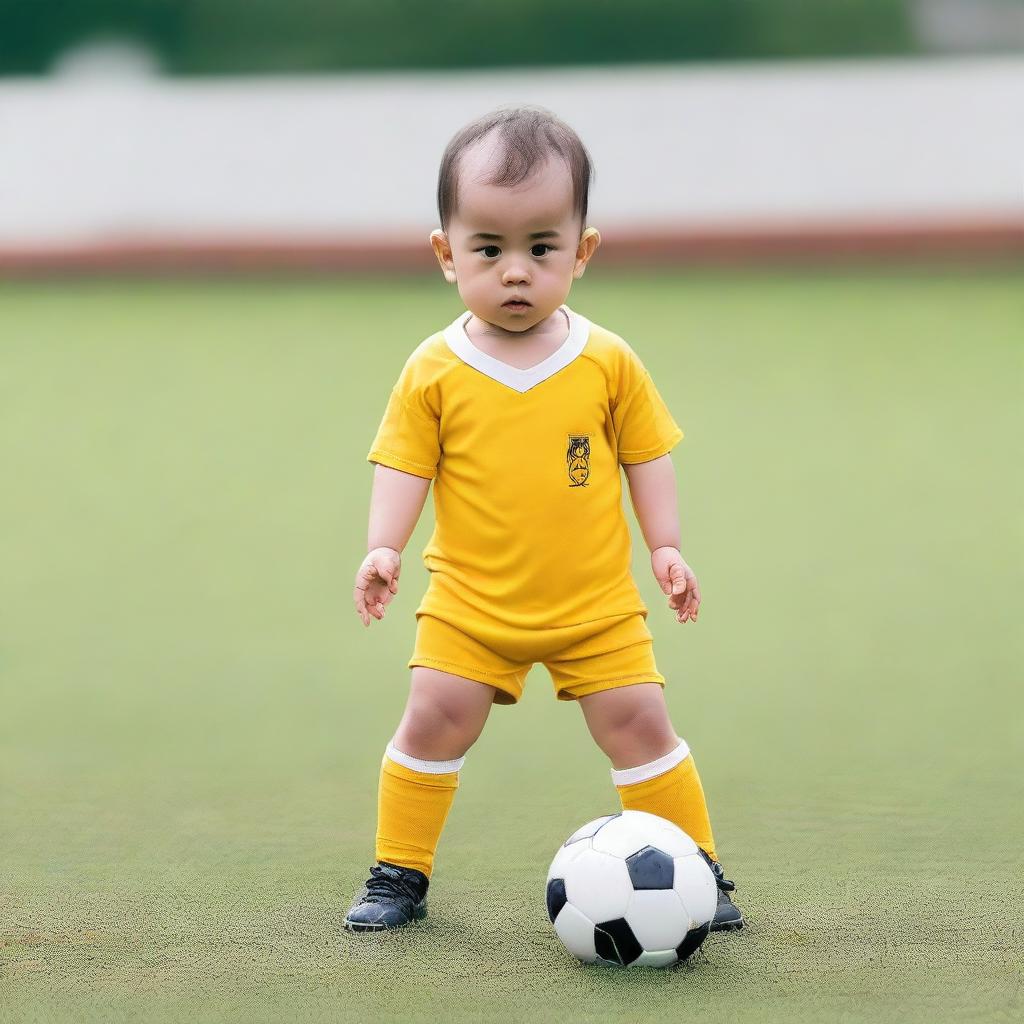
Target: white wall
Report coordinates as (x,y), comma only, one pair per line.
(341,157)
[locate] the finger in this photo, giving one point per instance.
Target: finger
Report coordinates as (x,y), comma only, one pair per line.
(365,577)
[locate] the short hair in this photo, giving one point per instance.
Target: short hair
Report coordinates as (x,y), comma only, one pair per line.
(527,136)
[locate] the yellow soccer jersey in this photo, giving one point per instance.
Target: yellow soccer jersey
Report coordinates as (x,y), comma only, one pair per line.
(529,524)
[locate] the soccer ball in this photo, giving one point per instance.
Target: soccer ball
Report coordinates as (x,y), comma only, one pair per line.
(631,889)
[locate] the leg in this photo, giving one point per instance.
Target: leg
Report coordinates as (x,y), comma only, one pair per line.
(654,772)
(630,723)
(444,715)
(651,766)
(418,778)
(420,771)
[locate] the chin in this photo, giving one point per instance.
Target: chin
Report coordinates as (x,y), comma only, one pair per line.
(517,321)
(519,325)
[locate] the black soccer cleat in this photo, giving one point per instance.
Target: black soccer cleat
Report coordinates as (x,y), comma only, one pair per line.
(392,897)
(728,917)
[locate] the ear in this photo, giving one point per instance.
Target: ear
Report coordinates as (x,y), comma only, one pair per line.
(589,241)
(443,251)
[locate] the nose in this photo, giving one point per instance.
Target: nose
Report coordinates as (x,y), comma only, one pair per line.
(515,273)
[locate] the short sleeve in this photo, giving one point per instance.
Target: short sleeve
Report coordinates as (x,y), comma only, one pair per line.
(408,437)
(644,427)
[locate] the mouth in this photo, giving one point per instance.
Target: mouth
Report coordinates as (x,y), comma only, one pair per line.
(516,305)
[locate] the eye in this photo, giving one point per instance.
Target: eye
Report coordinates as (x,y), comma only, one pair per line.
(490,251)
(544,249)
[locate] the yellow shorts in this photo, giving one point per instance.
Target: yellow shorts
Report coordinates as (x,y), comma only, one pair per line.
(582,659)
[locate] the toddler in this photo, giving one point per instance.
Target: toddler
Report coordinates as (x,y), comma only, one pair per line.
(521,411)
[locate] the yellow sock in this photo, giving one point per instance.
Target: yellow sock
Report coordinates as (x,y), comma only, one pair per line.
(412,805)
(669,787)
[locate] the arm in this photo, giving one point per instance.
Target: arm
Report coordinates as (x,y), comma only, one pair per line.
(652,490)
(396,502)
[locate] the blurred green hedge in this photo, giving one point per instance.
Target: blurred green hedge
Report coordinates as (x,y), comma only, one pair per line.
(252,36)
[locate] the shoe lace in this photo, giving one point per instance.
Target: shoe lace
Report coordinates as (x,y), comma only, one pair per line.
(724,884)
(388,883)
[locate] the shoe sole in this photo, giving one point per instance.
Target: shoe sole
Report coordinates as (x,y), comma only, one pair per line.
(418,914)
(731,927)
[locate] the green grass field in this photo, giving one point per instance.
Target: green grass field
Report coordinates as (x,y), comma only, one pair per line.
(192,717)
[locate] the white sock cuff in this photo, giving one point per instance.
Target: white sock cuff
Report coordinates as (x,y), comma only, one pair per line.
(643,772)
(427,767)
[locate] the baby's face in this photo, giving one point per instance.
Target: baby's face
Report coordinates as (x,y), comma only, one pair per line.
(513,250)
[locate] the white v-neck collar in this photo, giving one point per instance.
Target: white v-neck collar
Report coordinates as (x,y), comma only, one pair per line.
(515,378)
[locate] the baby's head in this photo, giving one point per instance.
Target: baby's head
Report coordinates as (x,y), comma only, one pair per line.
(512,195)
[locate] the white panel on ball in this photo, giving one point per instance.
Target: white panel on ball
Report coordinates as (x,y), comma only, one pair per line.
(673,840)
(599,886)
(633,830)
(697,888)
(585,831)
(662,959)
(565,856)
(576,933)
(658,918)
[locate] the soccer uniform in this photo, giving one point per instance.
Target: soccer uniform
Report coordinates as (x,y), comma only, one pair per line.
(530,556)
(529,561)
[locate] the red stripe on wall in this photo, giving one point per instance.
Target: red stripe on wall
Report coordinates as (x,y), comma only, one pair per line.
(621,247)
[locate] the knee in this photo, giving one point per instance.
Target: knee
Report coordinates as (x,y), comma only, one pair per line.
(648,726)
(637,735)
(436,730)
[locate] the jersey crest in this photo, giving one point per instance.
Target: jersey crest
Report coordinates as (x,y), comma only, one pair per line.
(578,459)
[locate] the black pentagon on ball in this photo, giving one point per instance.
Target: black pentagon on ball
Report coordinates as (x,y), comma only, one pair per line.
(651,868)
(692,941)
(555,897)
(616,943)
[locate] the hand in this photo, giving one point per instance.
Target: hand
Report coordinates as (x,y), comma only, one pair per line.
(677,580)
(376,583)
